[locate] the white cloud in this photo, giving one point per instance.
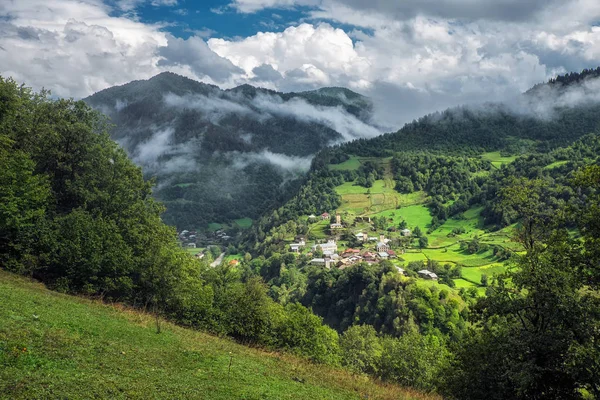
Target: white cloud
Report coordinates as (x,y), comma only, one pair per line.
(286,163)
(317,55)
(75,48)
(213,109)
(411,57)
(337,119)
(194,53)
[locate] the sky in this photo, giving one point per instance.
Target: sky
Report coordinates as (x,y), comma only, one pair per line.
(411,57)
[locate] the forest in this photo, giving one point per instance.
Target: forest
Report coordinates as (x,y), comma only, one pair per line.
(78,215)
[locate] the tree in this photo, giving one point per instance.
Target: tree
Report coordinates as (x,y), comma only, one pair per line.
(484,280)
(537,329)
(360,348)
(417,232)
(423,242)
(23,199)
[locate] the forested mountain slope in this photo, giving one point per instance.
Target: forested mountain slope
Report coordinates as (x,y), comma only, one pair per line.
(220,155)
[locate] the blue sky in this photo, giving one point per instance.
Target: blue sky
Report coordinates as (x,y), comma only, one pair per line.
(411,57)
(214,18)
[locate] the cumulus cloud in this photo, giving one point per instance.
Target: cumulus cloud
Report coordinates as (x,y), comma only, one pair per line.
(76,48)
(411,57)
(194,52)
(313,55)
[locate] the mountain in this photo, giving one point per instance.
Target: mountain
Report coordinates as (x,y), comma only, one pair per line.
(220,155)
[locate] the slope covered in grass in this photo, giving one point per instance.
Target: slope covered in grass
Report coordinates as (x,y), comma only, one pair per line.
(58,346)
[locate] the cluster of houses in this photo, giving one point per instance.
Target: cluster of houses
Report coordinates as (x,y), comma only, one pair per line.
(330,256)
(222,235)
(188,238)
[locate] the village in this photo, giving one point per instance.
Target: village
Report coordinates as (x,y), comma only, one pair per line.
(359,246)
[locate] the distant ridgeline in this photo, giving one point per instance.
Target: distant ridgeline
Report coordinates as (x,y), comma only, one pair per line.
(220,155)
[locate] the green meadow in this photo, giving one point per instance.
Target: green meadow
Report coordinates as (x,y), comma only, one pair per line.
(54,346)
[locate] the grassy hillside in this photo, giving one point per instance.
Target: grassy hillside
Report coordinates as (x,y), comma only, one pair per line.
(58,346)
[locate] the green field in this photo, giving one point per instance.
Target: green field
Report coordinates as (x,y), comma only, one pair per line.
(555,164)
(472,222)
(319,229)
(351,164)
(473,274)
(410,256)
(194,251)
(213,226)
(244,223)
(497,159)
(54,346)
(415,215)
(453,254)
(362,201)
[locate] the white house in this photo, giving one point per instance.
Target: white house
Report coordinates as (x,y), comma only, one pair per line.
(428,275)
(329,246)
(295,247)
(405,232)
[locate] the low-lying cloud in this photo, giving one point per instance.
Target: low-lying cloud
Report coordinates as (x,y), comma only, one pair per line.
(291,164)
(336,118)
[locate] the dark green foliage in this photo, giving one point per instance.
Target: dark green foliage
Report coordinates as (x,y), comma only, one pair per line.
(536,332)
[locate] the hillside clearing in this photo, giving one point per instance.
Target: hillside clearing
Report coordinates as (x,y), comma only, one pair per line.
(59,346)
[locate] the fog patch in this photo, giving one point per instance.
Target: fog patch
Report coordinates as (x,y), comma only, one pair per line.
(335,118)
(290,164)
(120,104)
(543,101)
(158,155)
(213,109)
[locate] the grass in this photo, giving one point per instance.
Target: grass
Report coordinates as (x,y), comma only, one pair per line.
(194,251)
(497,159)
(453,254)
(415,215)
(473,274)
(244,223)
(319,229)
(472,223)
(213,226)
(59,346)
(351,164)
(380,197)
(556,164)
(409,257)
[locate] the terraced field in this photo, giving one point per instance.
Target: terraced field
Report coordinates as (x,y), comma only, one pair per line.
(497,159)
